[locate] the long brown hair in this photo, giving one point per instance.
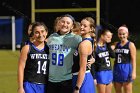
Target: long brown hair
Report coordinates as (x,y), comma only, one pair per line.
(93,26)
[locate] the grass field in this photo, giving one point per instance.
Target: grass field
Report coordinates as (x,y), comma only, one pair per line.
(8,72)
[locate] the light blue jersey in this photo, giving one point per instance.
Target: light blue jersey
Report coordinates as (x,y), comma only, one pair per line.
(61,49)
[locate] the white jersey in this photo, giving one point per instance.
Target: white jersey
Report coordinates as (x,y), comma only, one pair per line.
(61,49)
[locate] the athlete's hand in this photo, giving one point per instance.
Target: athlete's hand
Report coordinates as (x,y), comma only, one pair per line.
(21,90)
(90,61)
(133,75)
(76,91)
(95,82)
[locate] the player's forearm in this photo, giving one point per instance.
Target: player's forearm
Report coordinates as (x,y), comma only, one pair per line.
(20,75)
(133,66)
(81,76)
(20,79)
(133,57)
(133,61)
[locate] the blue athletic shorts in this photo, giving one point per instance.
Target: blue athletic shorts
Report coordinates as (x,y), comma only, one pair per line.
(122,73)
(34,88)
(104,77)
(87,85)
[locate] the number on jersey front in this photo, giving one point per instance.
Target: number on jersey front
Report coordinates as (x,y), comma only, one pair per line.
(42,67)
(107,61)
(57,59)
(119,58)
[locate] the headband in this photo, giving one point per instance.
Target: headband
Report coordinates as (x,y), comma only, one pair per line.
(68,15)
(123,28)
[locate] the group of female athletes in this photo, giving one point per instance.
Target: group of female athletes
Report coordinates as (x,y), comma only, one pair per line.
(72,60)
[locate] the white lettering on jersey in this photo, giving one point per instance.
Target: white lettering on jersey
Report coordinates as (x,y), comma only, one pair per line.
(39,56)
(58,47)
(103,54)
(125,51)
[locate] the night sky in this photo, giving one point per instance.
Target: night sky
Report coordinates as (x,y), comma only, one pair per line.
(114,12)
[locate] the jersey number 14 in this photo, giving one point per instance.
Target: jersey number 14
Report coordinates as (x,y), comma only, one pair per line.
(42,67)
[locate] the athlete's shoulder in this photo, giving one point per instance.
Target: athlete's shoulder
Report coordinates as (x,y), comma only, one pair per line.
(85,43)
(53,34)
(131,44)
(77,36)
(25,49)
(74,37)
(116,44)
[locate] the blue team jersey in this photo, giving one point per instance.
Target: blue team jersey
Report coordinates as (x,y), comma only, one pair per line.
(76,57)
(88,82)
(103,66)
(36,68)
(102,58)
(122,53)
(122,71)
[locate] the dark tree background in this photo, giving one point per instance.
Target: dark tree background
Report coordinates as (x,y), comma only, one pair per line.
(113,12)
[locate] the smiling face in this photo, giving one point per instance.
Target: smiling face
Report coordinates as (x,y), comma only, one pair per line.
(65,25)
(123,33)
(107,36)
(39,33)
(85,27)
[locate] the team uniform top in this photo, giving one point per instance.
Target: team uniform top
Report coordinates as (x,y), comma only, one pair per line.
(76,58)
(102,58)
(61,49)
(122,53)
(122,66)
(36,69)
